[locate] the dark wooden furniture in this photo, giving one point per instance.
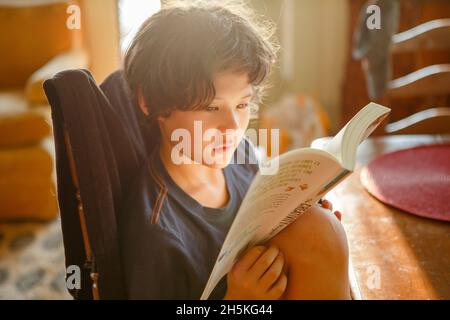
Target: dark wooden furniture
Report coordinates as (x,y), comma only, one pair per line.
(412,13)
(429,81)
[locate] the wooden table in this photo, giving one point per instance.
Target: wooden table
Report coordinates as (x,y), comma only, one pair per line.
(394,255)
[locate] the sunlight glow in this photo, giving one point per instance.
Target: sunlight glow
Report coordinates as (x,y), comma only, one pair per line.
(132,13)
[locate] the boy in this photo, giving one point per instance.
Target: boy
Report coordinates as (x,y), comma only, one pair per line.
(204,63)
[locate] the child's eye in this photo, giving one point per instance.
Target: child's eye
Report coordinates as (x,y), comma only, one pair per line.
(242,106)
(211,108)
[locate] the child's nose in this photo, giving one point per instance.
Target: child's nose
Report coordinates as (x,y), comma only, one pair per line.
(229,121)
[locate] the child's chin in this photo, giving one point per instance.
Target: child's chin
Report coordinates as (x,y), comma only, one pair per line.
(217,165)
(219,160)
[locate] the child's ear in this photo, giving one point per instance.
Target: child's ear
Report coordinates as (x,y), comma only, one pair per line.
(160,119)
(141,101)
(163,116)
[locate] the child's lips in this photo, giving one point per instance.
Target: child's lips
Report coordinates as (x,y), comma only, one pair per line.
(224,147)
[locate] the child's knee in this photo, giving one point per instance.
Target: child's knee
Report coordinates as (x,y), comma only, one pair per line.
(316,256)
(317,235)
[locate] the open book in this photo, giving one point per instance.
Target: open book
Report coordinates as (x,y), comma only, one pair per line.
(304,175)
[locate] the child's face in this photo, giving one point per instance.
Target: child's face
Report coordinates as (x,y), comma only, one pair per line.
(211,136)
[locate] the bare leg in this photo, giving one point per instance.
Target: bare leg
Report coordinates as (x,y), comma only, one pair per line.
(316,256)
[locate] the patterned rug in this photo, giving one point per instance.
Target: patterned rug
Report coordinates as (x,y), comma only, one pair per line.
(32,261)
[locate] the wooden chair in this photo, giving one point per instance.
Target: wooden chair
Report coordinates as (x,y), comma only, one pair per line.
(429,81)
(89,260)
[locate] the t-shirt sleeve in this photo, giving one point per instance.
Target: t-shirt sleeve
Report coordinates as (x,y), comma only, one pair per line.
(156,265)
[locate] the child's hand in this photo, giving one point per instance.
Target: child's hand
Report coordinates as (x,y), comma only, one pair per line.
(258,275)
(328,205)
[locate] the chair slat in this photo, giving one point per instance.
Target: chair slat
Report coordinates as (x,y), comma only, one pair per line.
(430,121)
(431,35)
(431,80)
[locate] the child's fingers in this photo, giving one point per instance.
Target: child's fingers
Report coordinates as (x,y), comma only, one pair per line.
(338,215)
(277,290)
(264,262)
(327,204)
(273,273)
(249,258)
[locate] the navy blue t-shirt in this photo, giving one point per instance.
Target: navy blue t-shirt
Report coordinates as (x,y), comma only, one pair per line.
(169,241)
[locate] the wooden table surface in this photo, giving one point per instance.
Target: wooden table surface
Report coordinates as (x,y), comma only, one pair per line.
(394,255)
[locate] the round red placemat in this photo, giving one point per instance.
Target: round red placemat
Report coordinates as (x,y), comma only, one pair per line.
(416,180)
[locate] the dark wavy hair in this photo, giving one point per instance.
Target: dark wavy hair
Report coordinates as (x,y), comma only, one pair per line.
(176,52)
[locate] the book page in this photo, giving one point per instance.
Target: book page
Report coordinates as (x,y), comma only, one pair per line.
(345,143)
(273,202)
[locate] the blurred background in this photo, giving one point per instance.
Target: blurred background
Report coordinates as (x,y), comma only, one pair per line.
(330,65)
